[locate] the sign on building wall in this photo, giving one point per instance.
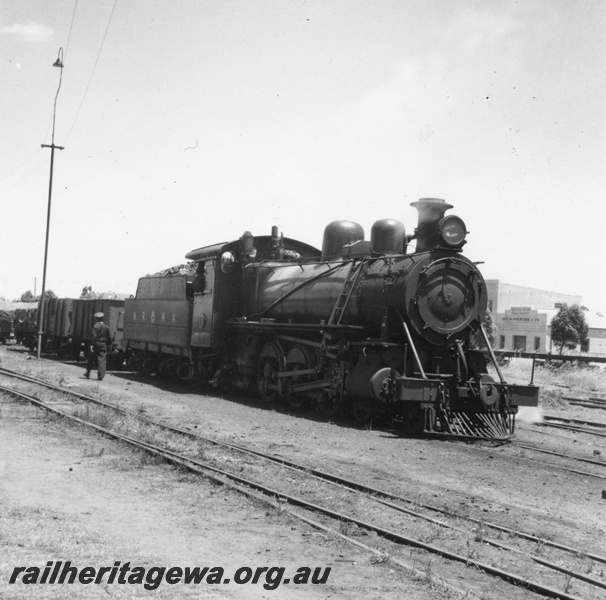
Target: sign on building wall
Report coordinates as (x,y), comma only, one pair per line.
(523,329)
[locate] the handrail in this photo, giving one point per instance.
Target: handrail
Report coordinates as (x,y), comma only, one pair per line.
(296,289)
(414,350)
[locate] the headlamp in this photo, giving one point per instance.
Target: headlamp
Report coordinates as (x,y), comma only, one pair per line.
(452,231)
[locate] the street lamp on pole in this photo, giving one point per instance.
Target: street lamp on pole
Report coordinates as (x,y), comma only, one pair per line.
(57,63)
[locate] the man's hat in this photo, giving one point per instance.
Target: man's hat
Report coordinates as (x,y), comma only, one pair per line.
(98,315)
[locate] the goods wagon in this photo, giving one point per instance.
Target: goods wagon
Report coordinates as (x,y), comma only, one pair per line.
(7,322)
(26,324)
(82,321)
(56,324)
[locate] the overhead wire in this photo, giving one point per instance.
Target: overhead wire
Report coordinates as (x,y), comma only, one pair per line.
(94,68)
(69,37)
(27,173)
(70,29)
(21,164)
(38,150)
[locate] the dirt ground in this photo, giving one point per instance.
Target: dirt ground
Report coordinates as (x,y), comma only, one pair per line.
(67,494)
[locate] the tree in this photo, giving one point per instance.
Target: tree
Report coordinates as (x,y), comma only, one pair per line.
(88,294)
(490,327)
(27,296)
(568,327)
(48,294)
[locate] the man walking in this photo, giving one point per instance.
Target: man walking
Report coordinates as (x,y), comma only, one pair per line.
(101,339)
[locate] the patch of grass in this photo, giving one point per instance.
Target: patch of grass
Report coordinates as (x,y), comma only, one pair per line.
(260,506)
(479,532)
(202,451)
(145,433)
(434,536)
(379,559)
(93,452)
(122,463)
(472,553)
(540,547)
(98,416)
(347,528)
(429,572)
(146,459)
(108,419)
(564,375)
(567,583)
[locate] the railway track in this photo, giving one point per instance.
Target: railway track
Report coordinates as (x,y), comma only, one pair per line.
(591,461)
(555,465)
(12,373)
(283,461)
(593,403)
(363,505)
(576,425)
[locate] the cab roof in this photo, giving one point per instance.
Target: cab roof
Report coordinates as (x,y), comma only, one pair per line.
(263,245)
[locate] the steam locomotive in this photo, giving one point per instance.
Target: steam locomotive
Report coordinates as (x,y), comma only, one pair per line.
(365,326)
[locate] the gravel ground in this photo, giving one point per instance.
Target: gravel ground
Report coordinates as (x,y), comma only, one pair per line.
(70,495)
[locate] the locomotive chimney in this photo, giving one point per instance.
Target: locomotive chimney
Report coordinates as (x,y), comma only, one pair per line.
(431,211)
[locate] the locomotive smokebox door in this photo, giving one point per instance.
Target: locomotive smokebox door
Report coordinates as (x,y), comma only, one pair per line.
(203,313)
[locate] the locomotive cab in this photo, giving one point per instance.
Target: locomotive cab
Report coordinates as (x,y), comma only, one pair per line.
(220,279)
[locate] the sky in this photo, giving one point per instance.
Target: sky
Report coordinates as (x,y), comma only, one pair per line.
(187,122)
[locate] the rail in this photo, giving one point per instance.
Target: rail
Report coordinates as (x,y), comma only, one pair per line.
(383,497)
(583,358)
(270,496)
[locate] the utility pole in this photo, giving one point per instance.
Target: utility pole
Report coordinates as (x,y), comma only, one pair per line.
(52,146)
